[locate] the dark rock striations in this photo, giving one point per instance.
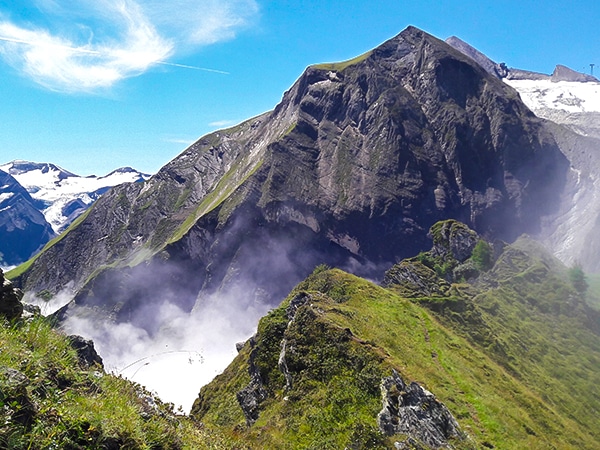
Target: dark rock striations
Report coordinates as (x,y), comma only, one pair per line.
(251,396)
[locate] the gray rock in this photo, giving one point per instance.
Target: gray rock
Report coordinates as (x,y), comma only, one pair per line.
(86,352)
(418,279)
(297,302)
(250,397)
(563,73)
(415,412)
(18,406)
(10,299)
(452,238)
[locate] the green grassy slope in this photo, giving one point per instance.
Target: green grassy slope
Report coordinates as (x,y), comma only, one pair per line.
(514,354)
(48,401)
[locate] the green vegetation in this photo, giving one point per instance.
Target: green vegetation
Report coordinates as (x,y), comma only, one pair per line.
(593,294)
(227,185)
(49,401)
(339,66)
(578,279)
(482,256)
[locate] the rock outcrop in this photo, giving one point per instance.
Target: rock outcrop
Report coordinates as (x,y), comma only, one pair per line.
(86,352)
(10,299)
(251,396)
(453,239)
(563,73)
(414,412)
(18,407)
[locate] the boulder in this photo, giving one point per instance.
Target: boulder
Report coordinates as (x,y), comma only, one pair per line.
(86,352)
(411,410)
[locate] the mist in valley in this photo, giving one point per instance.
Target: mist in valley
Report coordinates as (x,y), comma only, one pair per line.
(172,326)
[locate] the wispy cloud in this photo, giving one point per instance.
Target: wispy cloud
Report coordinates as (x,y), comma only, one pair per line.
(72,47)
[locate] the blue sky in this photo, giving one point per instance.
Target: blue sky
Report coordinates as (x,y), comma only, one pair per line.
(96,85)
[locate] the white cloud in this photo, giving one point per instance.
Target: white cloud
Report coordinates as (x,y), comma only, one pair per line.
(187,351)
(76,48)
(202,23)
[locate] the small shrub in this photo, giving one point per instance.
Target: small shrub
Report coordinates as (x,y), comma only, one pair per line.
(482,256)
(578,279)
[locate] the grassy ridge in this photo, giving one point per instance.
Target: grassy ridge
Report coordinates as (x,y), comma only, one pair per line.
(513,358)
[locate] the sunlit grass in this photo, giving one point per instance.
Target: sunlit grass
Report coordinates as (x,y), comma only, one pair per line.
(76,407)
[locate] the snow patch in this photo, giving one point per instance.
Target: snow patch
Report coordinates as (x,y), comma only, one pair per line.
(569,96)
(5,196)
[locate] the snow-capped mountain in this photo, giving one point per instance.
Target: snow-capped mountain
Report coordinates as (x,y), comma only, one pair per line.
(569,96)
(62,195)
(566,96)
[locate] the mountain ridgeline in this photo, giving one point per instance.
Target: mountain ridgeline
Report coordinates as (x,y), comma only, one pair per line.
(352,168)
(40,200)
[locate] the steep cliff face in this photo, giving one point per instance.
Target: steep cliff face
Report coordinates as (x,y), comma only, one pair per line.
(351,168)
(572,101)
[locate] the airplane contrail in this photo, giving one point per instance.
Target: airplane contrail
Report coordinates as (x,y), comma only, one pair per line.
(184,66)
(97,53)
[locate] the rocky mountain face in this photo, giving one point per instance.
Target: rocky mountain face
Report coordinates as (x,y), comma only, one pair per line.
(23,228)
(468,345)
(351,168)
(572,101)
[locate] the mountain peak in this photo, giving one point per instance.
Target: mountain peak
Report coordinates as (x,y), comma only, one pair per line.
(564,73)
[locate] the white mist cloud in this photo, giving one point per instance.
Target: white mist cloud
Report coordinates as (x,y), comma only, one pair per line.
(187,352)
(202,23)
(50,306)
(73,47)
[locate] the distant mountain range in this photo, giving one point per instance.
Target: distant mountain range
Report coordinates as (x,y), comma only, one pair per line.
(566,96)
(40,200)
